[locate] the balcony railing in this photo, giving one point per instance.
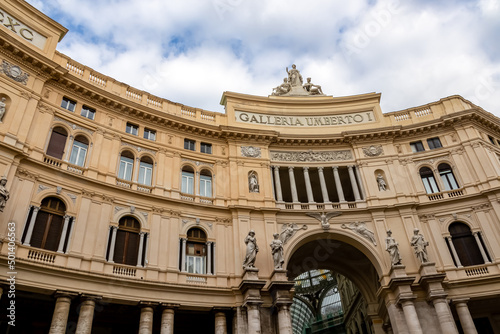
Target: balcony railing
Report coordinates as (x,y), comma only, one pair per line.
(321,206)
(445,194)
(41,256)
(124,271)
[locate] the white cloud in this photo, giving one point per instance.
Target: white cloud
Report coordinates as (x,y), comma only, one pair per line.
(413,52)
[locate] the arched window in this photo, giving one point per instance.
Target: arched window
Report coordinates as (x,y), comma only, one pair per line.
(196,251)
(429,181)
(79,151)
(127,241)
(48,224)
(205,183)
(447,177)
(145,171)
(187,185)
(57,142)
(126,166)
(465,244)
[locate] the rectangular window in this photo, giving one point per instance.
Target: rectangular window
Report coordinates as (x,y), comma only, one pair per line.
(205,186)
(492,140)
(132,129)
(187,186)
(78,153)
(145,173)
(195,264)
(434,143)
(430,185)
(125,170)
(189,144)
(149,134)
(68,104)
(417,146)
(206,148)
(88,112)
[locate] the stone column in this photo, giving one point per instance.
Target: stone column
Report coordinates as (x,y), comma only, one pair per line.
(220,323)
(112,246)
(322,182)
(135,170)
(253,314)
(69,148)
(86,315)
(209,258)
(411,316)
(141,246)
(358,174)
(293,185)
(310,197)
(167,318)
(354,184)
(279,193)
(183,255)
(338,185)
(61,311)
(481,248)
(214,259)
(146,321)
(31,226)
(284,320)
(63,234)
(454,252)
(464,316)
(445,317)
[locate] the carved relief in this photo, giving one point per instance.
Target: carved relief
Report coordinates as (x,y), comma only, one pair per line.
(361,229)
(42,187)
(311,156)
(373,151)
(14,72)
(250,151)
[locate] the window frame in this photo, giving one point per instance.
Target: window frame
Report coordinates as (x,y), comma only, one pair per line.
(89,111)
(206,189)
(70,104)
(145,173)
(79,146)
(415,148)
(448,177)
(189,144)
(134,129)
(205,148)
(187,182)
(148,133)
(429,181)
(431,142)
(122,174)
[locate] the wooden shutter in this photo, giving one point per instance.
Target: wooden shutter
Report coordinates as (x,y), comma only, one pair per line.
(132,249)
(39,229)
(119,246)
(54,233)
(56,145)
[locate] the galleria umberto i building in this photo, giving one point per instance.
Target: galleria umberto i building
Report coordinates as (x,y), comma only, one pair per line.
(126,212)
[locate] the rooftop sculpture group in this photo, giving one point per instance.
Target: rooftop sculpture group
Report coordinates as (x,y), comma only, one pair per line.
(294,85)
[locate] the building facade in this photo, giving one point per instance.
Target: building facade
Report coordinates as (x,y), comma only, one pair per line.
(126,212)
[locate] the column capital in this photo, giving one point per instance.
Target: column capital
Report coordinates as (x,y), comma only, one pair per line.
(114,227)
(320,169)
(170,306)
(67,217)
(148,304)
(335,168)
(35,208)
(276,167)
(305,168)
(183,238)
(350,167)
(85,297)
(290,168)
(456,301)
(67,294)
(141,234)
(208,243)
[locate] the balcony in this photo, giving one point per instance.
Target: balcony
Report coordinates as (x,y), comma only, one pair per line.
(321,206)
(445,194)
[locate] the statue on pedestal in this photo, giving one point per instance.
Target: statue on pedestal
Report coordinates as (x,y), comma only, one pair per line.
(4,193)
(392,247)
(382,186)
(419,246)
(293,85)
(2,108)
(312,88)
(277,252)
(252,249)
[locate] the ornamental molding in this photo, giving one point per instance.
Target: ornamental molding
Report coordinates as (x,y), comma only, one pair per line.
(250,152)
(198,163)
(73,126)
(373,151)
(446,158)
(138,148)
(26,174)
(14,72)
(42,187)
(311,156)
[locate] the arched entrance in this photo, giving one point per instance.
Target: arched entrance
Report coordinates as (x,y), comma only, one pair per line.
(337,253)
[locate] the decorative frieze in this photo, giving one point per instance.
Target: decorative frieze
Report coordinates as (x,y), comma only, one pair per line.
(250,151)
(373,151)
(312,156)
(14,72)
(73,126)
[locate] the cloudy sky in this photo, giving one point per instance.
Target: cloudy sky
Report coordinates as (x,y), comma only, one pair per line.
(191,51)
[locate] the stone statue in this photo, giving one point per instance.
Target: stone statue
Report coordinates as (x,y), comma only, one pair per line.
(294,76)
(392,247)
(360,228)
(277,251)
(288,230)
(253,183)
(382,186)
(4,193)
(324,217)
(2,108)
(252,250)
(283,88)
(312,89)
(419,244)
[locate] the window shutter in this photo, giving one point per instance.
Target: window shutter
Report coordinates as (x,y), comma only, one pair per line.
(56,145)
(132,250)
(119,246)
(39,229)
(54,233)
